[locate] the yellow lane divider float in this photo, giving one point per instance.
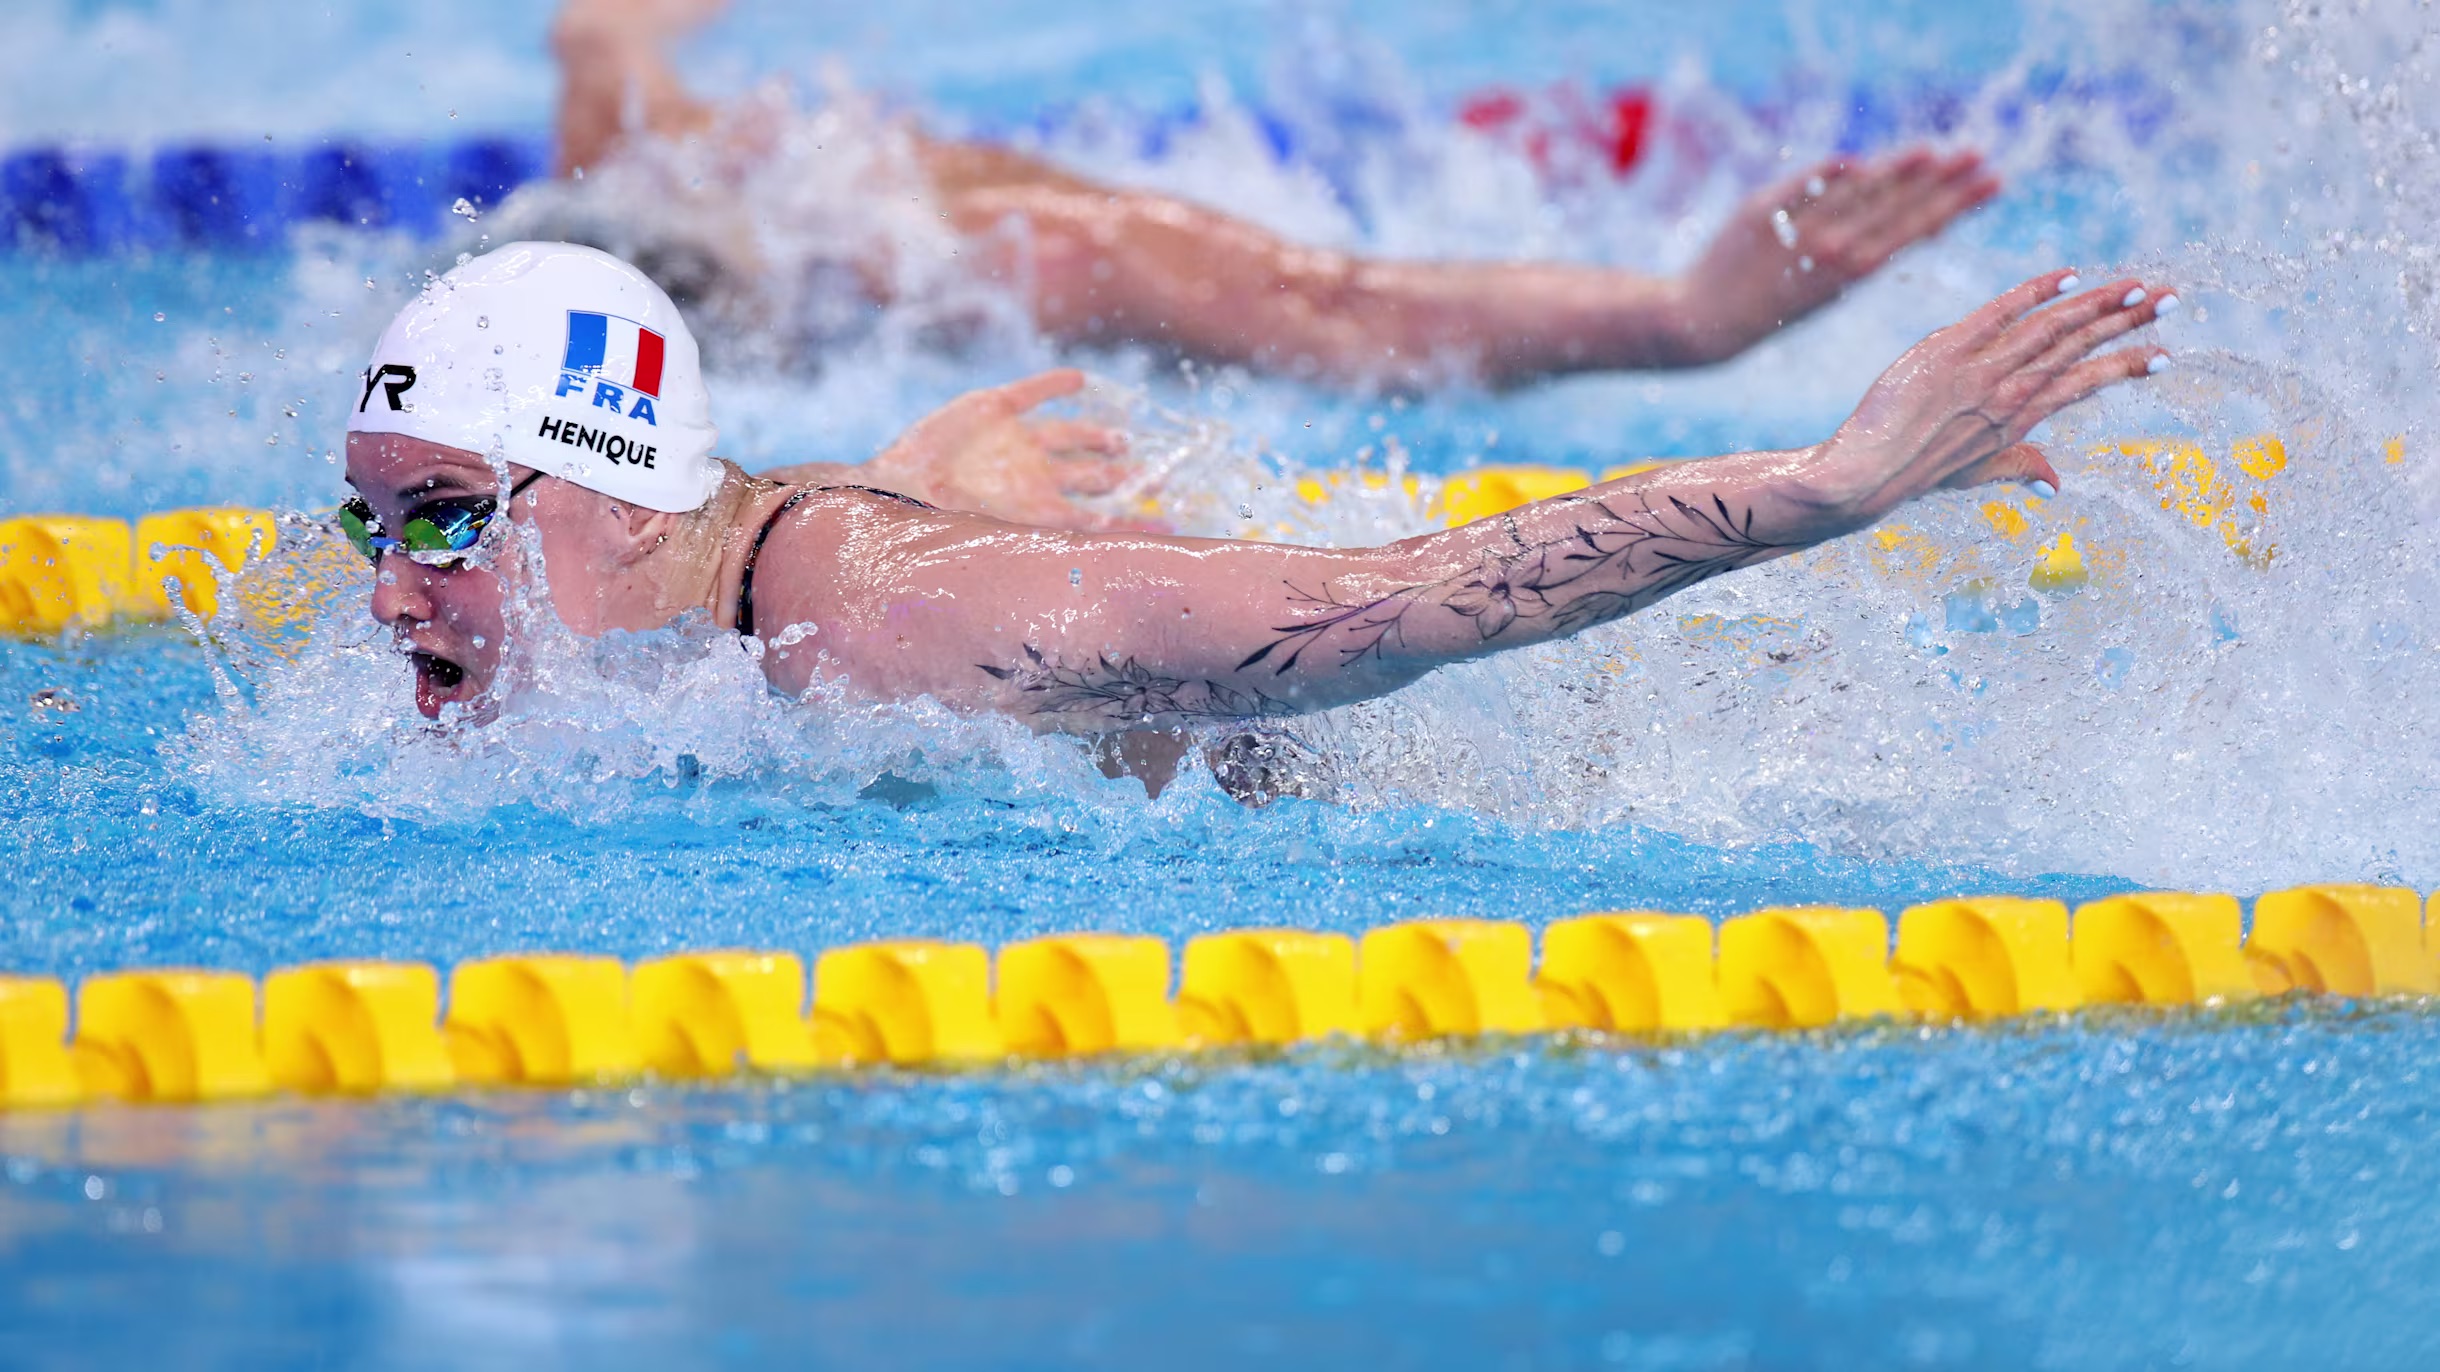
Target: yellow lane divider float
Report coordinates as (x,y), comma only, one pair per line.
(546,1019)
(62,570)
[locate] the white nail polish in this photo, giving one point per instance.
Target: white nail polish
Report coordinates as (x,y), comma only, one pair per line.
(2158,364)
(2134,298)
(2069,283)
(2166,305)
(2044,489)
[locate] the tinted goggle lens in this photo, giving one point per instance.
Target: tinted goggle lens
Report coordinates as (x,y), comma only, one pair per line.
(357,521)
(447,526)
(440,526)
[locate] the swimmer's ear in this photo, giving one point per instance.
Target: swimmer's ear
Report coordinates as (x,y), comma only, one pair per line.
(641,531)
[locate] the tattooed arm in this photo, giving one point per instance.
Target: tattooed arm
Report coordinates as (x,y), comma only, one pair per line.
(1089,633)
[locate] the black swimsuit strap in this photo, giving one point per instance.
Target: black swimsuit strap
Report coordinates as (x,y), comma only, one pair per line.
(745,583)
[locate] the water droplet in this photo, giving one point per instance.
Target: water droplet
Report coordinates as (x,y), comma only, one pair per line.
(1075,576)
(482,321)
(1784,227)
(159,317)
(464,208)
(371,285)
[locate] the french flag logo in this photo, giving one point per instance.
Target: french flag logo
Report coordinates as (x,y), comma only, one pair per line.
(619,351)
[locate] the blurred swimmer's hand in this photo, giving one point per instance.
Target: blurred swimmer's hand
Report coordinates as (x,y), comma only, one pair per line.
(1954,411)
(986,453)
(1794,247)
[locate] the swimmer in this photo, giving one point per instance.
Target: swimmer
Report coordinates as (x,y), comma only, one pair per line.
(554,388)
(1102,266)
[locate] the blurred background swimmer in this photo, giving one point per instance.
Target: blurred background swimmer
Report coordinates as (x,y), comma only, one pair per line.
(787,230)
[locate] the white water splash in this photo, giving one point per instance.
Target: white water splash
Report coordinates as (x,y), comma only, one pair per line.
(2235,700)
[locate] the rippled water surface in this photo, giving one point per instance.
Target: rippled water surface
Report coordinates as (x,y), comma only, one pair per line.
(2238,700)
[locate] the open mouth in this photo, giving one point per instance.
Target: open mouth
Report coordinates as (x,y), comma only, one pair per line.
(437,681)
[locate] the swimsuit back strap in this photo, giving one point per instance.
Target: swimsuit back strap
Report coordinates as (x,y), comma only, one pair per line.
(745,583)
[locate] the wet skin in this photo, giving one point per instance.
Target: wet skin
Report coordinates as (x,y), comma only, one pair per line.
(1100,632)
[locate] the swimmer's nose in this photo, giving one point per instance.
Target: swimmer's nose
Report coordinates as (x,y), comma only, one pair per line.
(399,596)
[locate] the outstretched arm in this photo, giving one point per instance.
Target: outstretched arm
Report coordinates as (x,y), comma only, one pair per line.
(1107,266)
(1089,633)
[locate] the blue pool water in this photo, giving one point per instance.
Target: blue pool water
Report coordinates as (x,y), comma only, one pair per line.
(1875,723)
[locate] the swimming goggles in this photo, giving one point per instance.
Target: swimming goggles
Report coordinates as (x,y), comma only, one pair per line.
(438,533)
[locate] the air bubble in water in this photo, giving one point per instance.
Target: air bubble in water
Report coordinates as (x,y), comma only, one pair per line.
(464,209)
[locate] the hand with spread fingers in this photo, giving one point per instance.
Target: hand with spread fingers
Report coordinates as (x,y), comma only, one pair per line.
(987,453)
(1796,246)
(1954,410)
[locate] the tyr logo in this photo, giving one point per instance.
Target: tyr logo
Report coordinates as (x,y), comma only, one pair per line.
(394,379)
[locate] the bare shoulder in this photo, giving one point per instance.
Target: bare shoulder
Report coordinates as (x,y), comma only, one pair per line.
(825,527)
(878,584)
(850,549)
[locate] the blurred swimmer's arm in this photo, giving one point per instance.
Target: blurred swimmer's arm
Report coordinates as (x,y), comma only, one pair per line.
(986,453)
(1108,266)
(1089,633)
(614,78)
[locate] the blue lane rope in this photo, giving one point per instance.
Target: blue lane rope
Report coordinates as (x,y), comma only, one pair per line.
(202,196)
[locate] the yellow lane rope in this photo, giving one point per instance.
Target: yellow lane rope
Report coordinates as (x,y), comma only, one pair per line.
(556,1019)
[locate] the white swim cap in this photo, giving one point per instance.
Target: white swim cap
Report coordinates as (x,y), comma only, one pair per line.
(559,358)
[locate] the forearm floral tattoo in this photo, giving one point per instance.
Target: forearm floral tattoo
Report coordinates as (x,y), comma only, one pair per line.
(1614,563)
(1129,693)
(1625,552)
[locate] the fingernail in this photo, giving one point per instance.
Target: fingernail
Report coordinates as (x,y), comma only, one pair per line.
(2158,364)
(2134,298)
(2166,305)
(2044,489)
(2069,282)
